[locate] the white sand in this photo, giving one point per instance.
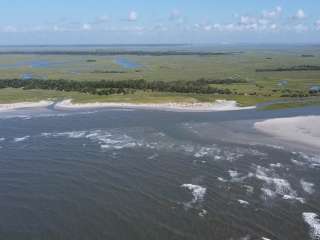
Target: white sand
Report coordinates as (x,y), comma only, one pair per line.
(304,130)
(14,106)
(219,105)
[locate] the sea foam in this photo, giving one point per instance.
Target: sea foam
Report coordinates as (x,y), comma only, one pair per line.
(21,139)
(198,192)
(243,202)
(307,186)
(313,221)
(275,185)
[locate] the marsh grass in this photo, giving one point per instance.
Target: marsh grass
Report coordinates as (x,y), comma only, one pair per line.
(260,86)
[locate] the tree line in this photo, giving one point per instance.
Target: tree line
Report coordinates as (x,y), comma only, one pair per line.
(288,69)
(104,87)
(116,53)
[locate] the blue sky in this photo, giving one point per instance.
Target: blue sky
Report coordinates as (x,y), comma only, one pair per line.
(166,21)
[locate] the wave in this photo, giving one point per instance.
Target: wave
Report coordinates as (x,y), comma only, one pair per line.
(207,151)
(308,187)
(21,139)
(198,192)
(117,139)
(154,156)
(236,176)
(313,221)
(275,186)
(243,202)
(106,139)
(75,134)
(276,165)
(311,160)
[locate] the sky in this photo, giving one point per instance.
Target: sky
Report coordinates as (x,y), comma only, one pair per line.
(27,22)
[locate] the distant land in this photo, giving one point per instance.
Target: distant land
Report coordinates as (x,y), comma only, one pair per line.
(270,75)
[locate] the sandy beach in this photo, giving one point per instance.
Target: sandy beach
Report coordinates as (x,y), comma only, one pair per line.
(304,130)
(15,106)
(219,105)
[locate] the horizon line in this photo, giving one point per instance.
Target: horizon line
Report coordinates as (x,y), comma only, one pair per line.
(154,44)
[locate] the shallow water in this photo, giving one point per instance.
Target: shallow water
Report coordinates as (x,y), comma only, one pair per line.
(126,63)
(39,64)
(31,64)
(30,76)
(134,174)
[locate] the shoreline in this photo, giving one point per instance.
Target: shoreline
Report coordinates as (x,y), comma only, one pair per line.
(219,105)
(22,105)
(303,130)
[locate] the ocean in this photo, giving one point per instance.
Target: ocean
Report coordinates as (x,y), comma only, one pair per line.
(144,174)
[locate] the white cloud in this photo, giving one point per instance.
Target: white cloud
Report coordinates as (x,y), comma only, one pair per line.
(273,26)
(175,14)
(86,27)
(253,26)
(133,16)
(131,29)
(273,13)
(217,26)
(300,28)
(36,29)
(9,28)
(300,14)
(248,23)
(56,28)
(231,27)
(246,20)
(160,27)
(207,28)
(263,21)
(317,24)
(104,18)
(101,19)
(278,9)
(197,26)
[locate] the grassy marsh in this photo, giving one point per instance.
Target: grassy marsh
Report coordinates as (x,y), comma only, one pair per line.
(260,86)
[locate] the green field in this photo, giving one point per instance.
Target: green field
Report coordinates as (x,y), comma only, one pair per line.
(260,86)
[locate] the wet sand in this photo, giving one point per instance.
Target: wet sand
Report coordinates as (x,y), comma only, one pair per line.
(21,105)
(304,130)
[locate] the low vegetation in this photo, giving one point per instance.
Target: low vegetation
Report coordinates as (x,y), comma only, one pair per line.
(289,69)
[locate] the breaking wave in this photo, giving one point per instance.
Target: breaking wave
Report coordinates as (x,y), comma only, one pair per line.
(307,186)
(21,139)
(275,186)
(198,192)
(313,221)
